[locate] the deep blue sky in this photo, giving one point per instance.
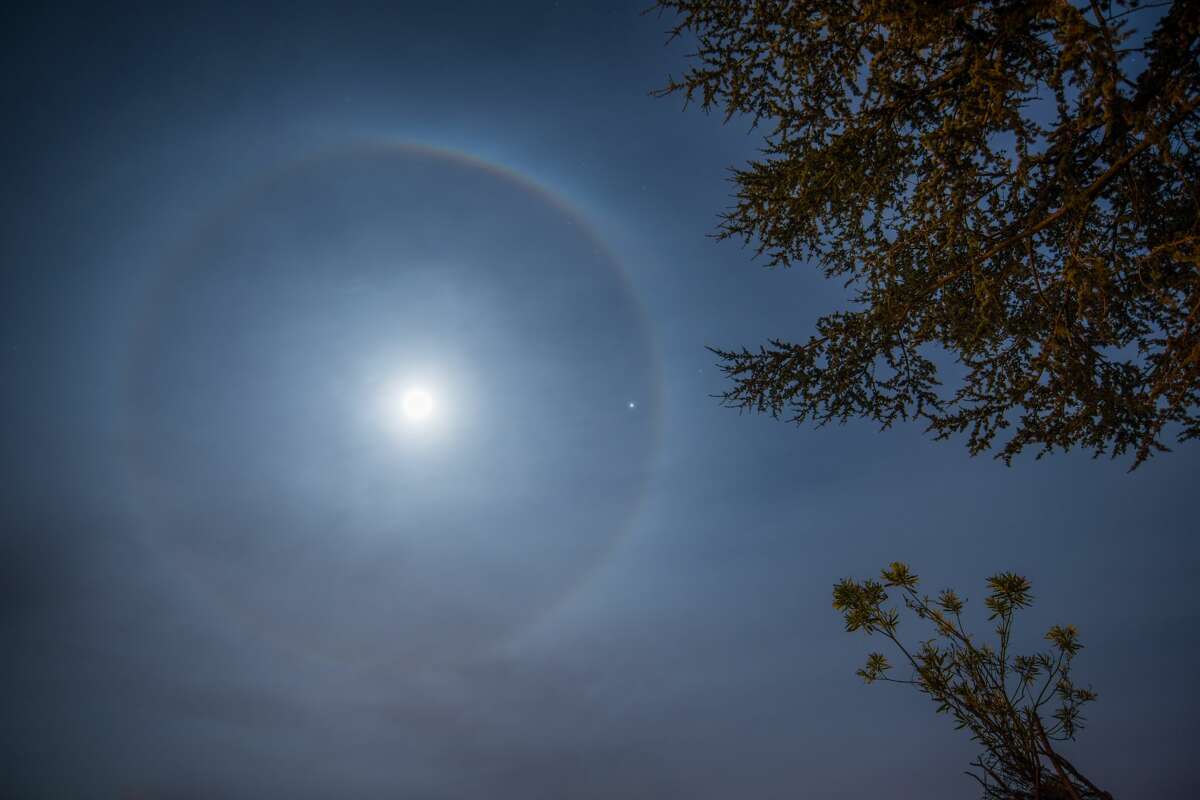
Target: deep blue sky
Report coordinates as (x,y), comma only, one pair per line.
(226,234)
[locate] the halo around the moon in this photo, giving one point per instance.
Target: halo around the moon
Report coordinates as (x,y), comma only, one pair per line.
(253,390)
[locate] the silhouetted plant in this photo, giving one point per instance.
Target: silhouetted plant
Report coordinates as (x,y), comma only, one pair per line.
(1001,698)
(1014,184)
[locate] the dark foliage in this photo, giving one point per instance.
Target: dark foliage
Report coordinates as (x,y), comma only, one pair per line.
(1001,698)
(1014,185)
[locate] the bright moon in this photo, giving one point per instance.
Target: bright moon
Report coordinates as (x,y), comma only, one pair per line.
(412,408)
(417,405)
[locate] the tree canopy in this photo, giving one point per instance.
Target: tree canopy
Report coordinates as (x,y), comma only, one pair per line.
(1003,699)
(1011,186)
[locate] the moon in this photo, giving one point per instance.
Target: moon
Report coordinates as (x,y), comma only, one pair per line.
(416,404)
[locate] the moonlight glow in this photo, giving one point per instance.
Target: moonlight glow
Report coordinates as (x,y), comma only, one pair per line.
(416,405)
(406,405)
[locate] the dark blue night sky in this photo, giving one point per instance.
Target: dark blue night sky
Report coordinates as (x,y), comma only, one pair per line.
(233,238)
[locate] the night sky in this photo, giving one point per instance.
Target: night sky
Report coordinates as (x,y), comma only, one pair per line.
(232,567)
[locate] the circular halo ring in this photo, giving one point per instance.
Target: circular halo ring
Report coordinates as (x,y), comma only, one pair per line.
(178,265)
